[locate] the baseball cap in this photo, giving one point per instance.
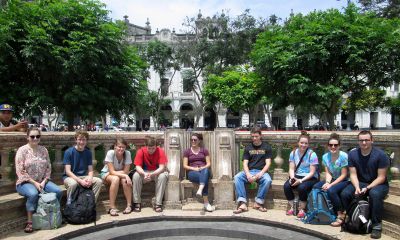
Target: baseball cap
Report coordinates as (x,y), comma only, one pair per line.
(6,107)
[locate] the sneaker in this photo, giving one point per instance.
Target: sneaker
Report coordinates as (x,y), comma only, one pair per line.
(376,233)
(209,208)
(290,212)
(301,214)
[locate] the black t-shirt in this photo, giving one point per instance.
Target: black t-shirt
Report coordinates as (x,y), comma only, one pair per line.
(367,166)
(257,155)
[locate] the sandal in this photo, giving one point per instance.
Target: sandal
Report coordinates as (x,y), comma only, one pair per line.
(137,207)
(113,212)
(241,209)
(127,210)
(158,208)
(338,222)
(28,227)
(259,208)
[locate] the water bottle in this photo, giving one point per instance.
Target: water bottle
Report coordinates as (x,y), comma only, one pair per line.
(295,206)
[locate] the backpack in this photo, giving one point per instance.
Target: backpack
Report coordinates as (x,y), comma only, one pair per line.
(357,219)
(81,206)
(320,209)
(48,214)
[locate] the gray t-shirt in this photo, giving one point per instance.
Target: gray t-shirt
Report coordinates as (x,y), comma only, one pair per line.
(118,166)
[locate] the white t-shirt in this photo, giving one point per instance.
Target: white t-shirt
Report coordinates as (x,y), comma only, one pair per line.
(118,166)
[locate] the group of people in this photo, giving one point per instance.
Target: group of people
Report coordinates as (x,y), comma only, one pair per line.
(360,172)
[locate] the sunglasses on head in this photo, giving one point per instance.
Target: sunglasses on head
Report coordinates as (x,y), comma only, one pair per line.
(333,145)
(34,136)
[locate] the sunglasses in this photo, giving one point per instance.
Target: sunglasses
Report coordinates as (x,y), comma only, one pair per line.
(34,136)
(194,140)
(333,145)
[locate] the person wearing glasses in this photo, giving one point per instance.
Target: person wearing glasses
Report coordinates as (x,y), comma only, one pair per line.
(151,165)
(336,178)
(196,160)
(78,167)
(7,124)
(368,168)
(33,168)
(303,174)
(256,161)
(115,172)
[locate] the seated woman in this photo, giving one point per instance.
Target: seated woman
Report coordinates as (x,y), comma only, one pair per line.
(197,161)
(303,174)
(335,162)
(115,172)
(33,168)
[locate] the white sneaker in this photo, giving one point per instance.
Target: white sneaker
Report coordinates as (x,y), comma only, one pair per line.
(209,208)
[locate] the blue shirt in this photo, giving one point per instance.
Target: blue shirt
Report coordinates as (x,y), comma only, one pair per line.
(309,159)
(335,168)
(79,161)
(367,166)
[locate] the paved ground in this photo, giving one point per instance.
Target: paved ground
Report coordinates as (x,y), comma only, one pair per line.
(277,216)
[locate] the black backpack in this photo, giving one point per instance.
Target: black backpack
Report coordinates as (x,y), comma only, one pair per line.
(82,207)
(357,219)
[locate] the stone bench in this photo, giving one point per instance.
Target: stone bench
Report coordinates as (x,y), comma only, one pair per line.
(13,214)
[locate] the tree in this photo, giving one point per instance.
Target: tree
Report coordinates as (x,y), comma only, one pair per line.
(161,58)
(384,8)
(313,60)
(237,89)
(219,43)
(66,55)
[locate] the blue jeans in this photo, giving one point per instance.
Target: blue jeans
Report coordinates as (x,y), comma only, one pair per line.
(334,193)
(264,184)
(200,177)
(29,191)
(303,189)
(376,196)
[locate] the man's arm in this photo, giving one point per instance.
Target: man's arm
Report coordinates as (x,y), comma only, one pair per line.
(379,180)
(354,180)
(17,127)
(265,168)
(70,174)
(246,170)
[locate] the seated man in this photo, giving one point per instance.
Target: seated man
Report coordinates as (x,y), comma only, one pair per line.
(6,122)
(78,166)
(368,168)
(150,162)
(256,161)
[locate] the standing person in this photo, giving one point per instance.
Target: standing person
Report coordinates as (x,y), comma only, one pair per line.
(336,179)
(368,168)
(303,174)
(78,166)
(256,161)
(196,160)
(150,162)
(33,168)
(7,124)
(115,171)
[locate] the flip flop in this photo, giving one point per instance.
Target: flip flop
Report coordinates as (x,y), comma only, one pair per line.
(28,227)
(158,208)
(113,212)
(241,209)
(260,208)
(127,210)
(338,222)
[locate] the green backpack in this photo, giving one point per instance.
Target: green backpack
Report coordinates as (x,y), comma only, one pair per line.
(48,214)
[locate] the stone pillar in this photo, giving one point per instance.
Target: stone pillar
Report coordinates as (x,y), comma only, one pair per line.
(172,140)
(395,170)
(58,166)
(222,117)
(245,119)
(5,169)
(94,161)
(279,173)
(152,124)
(175,120)
(224,191)
(201,121)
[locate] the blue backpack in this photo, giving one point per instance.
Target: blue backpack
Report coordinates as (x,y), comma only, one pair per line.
(320,209)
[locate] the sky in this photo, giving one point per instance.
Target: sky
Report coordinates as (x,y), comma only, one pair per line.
(171,13)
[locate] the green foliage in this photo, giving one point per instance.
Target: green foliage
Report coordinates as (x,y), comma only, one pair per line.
(313,60)
(368,100)
(395,105)
(237,89)
(57,52)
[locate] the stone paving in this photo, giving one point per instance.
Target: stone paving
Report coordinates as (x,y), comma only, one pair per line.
(277,216)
